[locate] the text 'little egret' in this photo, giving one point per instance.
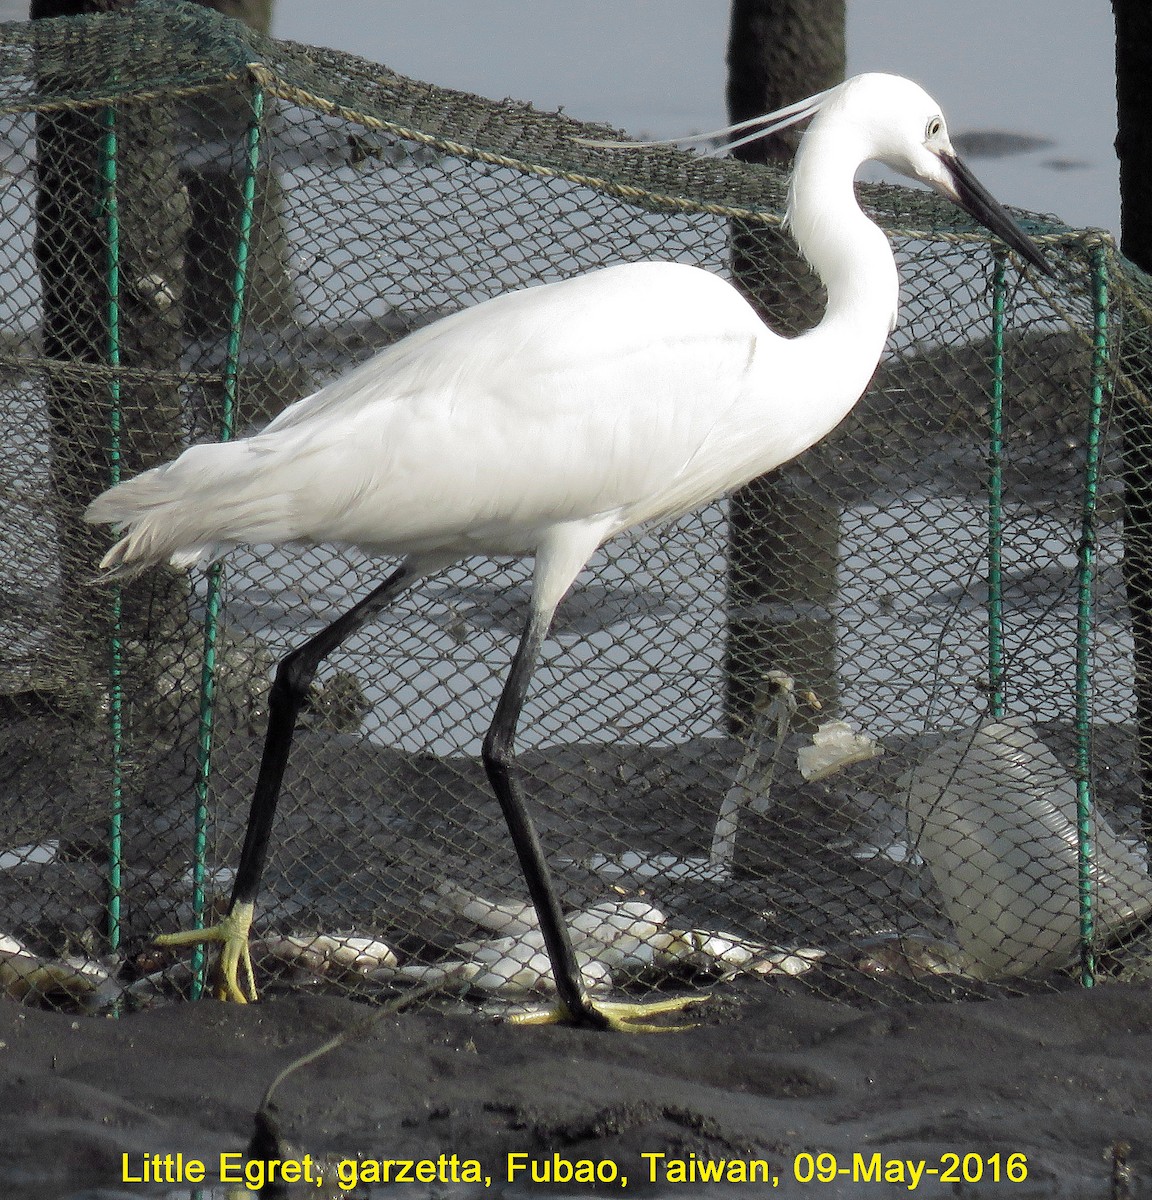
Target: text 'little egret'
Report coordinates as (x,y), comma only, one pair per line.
(544,422)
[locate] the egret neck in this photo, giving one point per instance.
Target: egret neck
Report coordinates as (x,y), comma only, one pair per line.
(849,253)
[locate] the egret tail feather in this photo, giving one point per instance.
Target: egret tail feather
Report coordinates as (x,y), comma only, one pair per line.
(193,510)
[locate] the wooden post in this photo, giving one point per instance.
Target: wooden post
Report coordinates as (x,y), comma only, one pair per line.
(1134,149)
(71,247)
(783,538)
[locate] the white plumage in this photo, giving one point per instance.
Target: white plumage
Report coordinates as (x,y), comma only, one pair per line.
(546,421)
(636,392)
(632,393)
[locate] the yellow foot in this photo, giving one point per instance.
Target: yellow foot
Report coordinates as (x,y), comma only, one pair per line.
(618,1015)
(234,955)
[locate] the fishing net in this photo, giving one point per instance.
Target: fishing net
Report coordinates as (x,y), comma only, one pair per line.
(870,729)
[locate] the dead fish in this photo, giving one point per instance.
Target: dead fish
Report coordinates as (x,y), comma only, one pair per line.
(626,936)
(911,957)
(623,934)
(789,962)
(163,984)
(726,954)
(510,967)
(335,954)
(69,982)
(709,953)
(609,921)
(297,952)
(640,867)
(356,954)
(503,917)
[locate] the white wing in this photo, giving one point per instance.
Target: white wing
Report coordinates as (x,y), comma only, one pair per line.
(554,403)
(595,395)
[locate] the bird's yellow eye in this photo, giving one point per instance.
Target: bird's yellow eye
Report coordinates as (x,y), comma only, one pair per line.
(934,127)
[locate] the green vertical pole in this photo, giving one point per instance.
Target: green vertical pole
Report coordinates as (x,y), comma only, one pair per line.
(1086,557)
(996,489)
(116,662)
(213,598)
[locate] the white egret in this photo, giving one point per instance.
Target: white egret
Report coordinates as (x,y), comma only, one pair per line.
(544,422)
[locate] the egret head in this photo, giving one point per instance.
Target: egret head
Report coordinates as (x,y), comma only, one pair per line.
(901,126)
(892,120)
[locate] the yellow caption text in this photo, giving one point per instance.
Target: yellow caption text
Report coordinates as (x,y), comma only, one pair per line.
(518,1167)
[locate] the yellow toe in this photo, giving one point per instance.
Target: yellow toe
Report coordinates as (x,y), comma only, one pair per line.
(232,932)
(621,1016)
(633,1018)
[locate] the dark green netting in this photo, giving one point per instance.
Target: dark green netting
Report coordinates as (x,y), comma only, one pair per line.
(951,554)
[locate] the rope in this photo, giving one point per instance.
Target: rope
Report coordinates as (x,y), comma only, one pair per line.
(104,99)
(95,372)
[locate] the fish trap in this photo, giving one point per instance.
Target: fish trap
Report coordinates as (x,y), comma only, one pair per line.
(874,728)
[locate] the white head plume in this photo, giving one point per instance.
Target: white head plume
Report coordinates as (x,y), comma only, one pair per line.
(757,127)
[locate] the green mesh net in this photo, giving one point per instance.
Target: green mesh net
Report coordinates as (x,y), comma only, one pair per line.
(201,226)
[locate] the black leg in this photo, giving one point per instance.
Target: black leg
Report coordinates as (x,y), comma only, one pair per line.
(499,759)
(289,691)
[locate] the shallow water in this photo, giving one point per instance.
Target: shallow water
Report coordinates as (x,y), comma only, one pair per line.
(912,633)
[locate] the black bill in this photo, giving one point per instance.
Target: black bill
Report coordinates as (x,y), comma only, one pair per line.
(973,197)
